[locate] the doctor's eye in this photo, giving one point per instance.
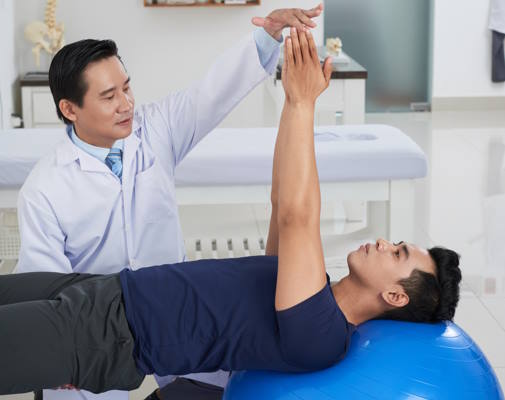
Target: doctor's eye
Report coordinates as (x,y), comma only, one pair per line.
(397,253)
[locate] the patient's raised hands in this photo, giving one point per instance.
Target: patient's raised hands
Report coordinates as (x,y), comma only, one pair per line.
(302,76)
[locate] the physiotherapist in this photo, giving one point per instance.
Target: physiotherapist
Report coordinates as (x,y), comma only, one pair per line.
(104,199)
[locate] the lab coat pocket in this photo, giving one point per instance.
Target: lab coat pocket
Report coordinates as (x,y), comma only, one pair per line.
(154,195)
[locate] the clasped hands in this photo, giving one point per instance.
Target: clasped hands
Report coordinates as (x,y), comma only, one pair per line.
(302,76)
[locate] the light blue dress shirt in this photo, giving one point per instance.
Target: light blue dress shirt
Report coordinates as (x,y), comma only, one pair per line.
(267,49)
(99,153)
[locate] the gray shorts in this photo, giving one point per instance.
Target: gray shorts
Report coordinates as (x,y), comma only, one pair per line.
(58,329)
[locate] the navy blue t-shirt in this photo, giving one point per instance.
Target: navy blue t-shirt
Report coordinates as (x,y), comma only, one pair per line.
(206,315)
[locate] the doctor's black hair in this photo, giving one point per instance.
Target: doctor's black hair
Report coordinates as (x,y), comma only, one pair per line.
(66,78)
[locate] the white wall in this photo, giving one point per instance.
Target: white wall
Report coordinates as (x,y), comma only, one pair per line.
(8,71)
(462,50)
(164,49)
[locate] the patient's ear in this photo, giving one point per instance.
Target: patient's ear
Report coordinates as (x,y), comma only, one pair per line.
(67,108)
(395,296)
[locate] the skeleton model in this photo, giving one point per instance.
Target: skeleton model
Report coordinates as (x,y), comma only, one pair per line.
(334,46)
(46,35)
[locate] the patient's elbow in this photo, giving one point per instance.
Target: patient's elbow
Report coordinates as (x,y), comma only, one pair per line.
(297,214)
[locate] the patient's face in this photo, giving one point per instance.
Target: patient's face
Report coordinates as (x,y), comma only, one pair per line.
(108,102)
(380,265)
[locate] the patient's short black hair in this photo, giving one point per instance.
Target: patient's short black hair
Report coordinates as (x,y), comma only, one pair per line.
(432,298)
(66,78)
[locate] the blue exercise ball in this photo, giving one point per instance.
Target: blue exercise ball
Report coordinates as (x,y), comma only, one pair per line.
(386,360)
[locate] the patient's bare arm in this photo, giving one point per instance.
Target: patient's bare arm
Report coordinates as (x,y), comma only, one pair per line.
(301,271)
(272,248)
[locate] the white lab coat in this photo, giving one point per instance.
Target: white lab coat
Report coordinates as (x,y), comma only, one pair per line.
(75,215)
(497,16)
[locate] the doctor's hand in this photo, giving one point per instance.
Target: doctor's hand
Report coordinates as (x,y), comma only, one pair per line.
(277,20)
(302,76)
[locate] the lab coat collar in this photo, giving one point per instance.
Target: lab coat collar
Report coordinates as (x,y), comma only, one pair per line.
(67,152)
(137,119)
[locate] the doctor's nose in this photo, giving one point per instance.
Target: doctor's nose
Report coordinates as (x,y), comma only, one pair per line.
(125,103)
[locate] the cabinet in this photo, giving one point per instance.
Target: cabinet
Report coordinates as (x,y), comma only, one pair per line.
(345,96)
(38,106)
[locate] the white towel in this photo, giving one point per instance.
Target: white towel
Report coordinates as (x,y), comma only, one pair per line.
(497,16)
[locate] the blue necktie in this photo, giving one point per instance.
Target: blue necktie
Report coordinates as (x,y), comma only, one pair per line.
(114,161)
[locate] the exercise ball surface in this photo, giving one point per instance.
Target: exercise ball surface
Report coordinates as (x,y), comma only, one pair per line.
(386,360)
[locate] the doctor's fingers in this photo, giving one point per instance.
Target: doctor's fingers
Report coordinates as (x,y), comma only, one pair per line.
(295,23)
(303,20)
(314,12)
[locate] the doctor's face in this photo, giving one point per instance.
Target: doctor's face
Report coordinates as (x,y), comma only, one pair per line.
(106,114)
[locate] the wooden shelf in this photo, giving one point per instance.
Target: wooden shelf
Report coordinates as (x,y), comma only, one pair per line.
(210,3)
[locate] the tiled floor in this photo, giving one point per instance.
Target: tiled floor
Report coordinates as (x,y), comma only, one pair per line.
(458,205)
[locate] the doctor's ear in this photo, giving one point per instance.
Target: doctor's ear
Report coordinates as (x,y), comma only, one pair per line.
(67,108)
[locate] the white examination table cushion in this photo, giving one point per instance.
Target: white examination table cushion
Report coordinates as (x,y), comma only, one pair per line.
(244,156)
(20,149)
(344,153)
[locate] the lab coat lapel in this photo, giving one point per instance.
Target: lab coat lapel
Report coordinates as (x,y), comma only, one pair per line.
(131,144)
(68,152)
(89,163)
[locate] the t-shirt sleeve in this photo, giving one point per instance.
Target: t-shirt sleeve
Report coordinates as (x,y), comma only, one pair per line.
(314,333)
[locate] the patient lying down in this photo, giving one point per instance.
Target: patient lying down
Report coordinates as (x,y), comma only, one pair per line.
(276,312)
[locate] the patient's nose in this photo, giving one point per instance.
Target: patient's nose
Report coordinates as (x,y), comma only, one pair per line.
(382,244)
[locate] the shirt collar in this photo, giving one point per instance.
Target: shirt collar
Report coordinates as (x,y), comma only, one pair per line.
(69,151)
(99,153)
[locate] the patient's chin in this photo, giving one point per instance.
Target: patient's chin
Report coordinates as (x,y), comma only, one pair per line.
(353,260)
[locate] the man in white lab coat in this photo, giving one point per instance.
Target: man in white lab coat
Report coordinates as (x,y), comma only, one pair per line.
(104,199)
